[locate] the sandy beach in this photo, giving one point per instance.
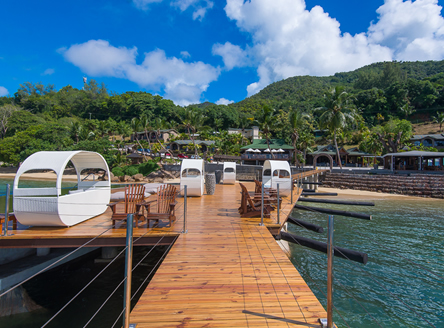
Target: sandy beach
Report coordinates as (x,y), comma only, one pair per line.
(41,176)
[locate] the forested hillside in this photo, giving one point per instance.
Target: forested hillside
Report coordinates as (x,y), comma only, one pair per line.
(374,102)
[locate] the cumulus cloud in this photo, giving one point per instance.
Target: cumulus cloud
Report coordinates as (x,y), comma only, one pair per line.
(182,82)
(48,71)
(185,54)
(223,101)
(232,55)
(289,40)
(3,91)
(414,30)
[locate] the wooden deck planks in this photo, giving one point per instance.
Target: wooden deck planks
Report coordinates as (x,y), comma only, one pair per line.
(227,272)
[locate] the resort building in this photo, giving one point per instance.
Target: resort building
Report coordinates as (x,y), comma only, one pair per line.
(184,145)
(326,156)
(428,140)
(258,151)
(414,161)
(164,135)
(251,134)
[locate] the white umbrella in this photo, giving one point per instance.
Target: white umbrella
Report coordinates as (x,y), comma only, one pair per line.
(280,150)
(274,150)
(267,150)
(257,151)
(250,150)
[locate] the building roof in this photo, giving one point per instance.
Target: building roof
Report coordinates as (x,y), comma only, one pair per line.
(197,142)
(423,136)
(262,144)
(416,153)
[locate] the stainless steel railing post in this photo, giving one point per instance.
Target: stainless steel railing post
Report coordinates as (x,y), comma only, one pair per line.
(292,188)
(330,251)
(5,225)
(185,209)
(278,205)
(128,270)
(262,204)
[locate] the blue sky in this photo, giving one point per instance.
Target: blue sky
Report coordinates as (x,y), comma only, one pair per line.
(192,51)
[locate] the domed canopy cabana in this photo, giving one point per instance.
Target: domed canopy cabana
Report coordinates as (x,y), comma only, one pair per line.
(229,174)
(192,172)
(47,206)
(277,172)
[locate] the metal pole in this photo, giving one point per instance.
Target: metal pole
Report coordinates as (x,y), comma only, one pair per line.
(278,204)
(128,270)
(185,209)
(330,273)
(292,188)
(5,225)
(262,203)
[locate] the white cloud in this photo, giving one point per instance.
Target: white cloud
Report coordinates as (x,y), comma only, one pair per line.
(232,55)
(48,71)
(199,7)
(223,101)
(414,30)
(3,91)
(144,4)
(289,40)
(185,54)
(182,82)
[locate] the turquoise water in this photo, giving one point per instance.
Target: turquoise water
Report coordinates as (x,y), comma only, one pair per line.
(390,290)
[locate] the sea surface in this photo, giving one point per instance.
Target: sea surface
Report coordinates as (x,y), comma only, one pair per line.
(402,284)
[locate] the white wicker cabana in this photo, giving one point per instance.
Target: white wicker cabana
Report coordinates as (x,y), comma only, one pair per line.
(47,206)
(192,172)
(229,173)
(275,172)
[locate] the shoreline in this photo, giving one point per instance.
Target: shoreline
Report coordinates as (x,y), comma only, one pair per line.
(347,193)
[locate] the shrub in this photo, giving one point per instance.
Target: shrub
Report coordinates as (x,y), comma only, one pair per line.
(131,170)
(148,167)
(117,171)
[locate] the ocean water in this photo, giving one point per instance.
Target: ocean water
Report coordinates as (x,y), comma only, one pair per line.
(402,284)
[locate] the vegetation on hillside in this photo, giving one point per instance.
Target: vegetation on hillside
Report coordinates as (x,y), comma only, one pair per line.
(381,101)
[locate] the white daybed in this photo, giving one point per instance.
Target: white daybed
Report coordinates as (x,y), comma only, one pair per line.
(192,172)
(47,206)
(229,173)
(275,172)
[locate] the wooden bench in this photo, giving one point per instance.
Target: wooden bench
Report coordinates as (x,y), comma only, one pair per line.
(11,217)
(166,204)
(250,207)
(134,199)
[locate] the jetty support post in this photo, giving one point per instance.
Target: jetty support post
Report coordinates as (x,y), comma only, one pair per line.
(128,270)
(262,204)
(185,209)
(278,205)
(5,223)
(330,273)
(292,188)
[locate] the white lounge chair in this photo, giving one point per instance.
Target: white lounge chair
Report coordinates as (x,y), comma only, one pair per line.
(192,172)
(229,173)
(277,172)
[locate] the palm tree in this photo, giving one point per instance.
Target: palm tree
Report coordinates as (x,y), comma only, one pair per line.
(336,113)
(192,121)
(145,124)
(135,126)
(297,119)
(158,125)
(439,118)
(244,122)
(266,120)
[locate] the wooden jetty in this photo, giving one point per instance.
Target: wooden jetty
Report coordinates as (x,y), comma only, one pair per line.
(226,271)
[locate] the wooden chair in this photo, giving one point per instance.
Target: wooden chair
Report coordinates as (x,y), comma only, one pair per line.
(166,203)
(250,208)
(134,199)
(269,193)
(11,217)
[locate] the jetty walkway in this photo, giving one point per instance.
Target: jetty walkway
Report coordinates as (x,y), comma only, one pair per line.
(226,271)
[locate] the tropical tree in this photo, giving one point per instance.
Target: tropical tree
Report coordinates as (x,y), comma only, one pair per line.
(266,120)
(439,118)
(297,120)
(146,125)
(159,124)
(193,120)
(135,126)
(337,112)
(394,134)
